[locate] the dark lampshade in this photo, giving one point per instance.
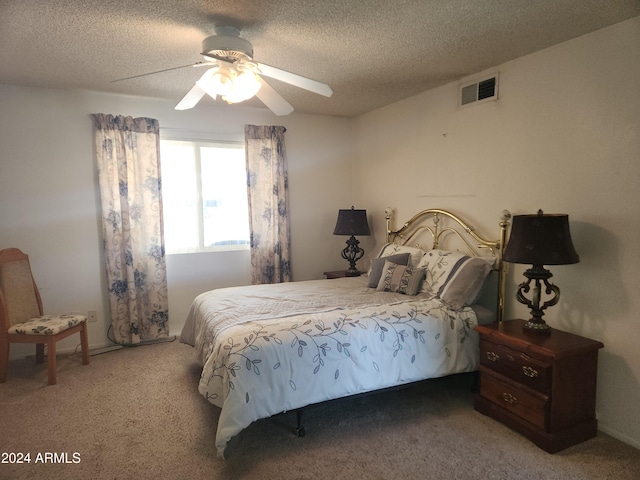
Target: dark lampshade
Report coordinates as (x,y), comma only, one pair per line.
(352,222)
(541,239)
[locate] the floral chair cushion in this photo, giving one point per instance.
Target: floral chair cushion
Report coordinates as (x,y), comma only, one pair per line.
(47,324)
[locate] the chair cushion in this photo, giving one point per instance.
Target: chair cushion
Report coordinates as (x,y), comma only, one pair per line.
(47,324)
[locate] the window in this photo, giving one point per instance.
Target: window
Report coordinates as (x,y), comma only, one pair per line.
(204,196)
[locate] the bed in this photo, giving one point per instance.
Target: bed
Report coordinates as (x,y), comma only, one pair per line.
(267,349)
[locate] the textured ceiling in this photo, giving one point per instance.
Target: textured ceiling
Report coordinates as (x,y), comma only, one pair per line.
(371,52)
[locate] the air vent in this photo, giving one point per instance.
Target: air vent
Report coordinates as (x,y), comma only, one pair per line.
(483,90)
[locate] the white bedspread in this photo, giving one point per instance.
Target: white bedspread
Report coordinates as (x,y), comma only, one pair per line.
(271,348)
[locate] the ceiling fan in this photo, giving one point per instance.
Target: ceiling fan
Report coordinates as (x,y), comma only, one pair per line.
(234,76)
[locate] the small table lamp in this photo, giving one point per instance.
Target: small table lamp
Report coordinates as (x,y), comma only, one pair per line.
(538,240)
(352,222)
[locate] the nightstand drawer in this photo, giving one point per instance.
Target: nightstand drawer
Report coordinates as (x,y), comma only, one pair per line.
(517,399)
(516,365)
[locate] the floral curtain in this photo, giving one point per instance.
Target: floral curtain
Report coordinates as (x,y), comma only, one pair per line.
(128,157)
(268,194)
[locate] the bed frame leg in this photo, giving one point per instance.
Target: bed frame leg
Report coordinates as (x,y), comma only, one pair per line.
(299,429)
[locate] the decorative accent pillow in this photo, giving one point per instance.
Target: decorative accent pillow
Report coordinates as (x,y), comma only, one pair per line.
(455,278)
(400,278)
(415,254)
(377,265)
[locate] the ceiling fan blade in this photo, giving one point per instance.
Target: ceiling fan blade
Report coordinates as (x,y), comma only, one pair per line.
(296,80)
(272,99)
(197,64)
(192,97)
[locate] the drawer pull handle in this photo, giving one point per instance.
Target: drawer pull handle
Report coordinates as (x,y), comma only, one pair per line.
(493,357)
(508,398)
(529,372)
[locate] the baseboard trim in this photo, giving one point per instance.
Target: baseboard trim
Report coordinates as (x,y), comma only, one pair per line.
(100,348)
(618,435)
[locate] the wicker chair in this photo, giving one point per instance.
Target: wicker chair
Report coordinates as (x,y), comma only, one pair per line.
(22,320)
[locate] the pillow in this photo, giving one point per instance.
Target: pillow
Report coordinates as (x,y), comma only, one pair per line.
(455,278)
(415,254)
(464,285)
(400,278)
(377,265)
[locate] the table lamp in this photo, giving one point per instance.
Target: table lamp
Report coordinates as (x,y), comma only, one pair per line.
(352,222)
(538,240)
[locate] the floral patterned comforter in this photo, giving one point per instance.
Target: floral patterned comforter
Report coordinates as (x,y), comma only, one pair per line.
(271,348)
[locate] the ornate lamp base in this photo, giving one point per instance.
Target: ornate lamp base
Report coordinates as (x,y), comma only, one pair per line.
(352,253)
(539,275)
(531,326)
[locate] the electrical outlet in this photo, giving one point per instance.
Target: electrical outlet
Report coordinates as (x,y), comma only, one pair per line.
(92,316)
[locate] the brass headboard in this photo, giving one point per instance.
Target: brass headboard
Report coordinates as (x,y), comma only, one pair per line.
(444,223)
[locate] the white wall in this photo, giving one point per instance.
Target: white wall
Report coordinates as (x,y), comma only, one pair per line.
(564,137)
(50,207)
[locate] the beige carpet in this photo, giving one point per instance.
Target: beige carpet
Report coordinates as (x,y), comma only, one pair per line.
(136,413)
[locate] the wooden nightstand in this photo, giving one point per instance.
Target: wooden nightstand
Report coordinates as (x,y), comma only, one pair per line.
(541,386)
(339,274)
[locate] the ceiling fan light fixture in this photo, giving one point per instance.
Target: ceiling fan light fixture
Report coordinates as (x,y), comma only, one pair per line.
(222,80)
(245,86)
(235,83)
